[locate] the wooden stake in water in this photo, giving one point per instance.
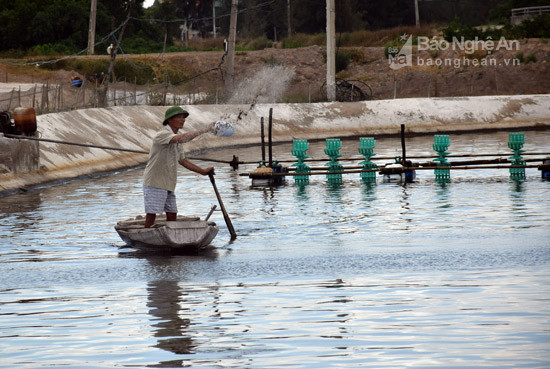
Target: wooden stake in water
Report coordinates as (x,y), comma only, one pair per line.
(263,139)
(270,137)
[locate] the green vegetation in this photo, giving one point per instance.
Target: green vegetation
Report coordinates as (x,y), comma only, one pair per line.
(140,69)
(538,27)
(531,58)
(303,40)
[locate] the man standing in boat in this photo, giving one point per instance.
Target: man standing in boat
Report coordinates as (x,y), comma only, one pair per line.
(160,176)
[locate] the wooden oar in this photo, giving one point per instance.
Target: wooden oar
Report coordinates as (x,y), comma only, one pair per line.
(225,215)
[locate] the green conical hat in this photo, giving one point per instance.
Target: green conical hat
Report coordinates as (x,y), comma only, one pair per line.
(172,112)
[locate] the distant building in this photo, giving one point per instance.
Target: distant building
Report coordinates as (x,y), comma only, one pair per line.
(521,14)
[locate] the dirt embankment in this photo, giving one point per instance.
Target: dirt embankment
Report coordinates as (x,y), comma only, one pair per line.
(523,68)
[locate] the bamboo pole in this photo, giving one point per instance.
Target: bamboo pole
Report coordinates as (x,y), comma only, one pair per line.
(266,175)
(433,164)
(219,161)
(377,158)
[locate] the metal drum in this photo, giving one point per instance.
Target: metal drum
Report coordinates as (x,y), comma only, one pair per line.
(25,120)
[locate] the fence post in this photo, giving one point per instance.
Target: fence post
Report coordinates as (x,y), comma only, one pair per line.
(11,97)
(42,100)
(83,92)
(45,96)
(54,99)
(33,95)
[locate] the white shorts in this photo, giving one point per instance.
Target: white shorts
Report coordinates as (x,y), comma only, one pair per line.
(159,201)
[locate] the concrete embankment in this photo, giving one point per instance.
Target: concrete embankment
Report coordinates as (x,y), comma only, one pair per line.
(132,127)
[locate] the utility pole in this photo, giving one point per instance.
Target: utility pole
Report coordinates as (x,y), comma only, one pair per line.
(103,94)
(288,17)
(416,13)
(231,48)
(91,31)
(214,18)
(331,51)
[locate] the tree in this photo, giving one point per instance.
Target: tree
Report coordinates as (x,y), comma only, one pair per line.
(27,23)
(14,32)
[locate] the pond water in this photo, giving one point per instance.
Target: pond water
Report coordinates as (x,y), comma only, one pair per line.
(421,275)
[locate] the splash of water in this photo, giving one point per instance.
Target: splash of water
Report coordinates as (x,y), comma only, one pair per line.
(266,86)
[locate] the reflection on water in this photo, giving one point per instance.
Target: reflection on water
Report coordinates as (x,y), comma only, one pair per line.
(334,193)
(302,194)
(369,192)
(377,275)
(443,195)
(23,208)
(166,301)
(20,204)
(517,185)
